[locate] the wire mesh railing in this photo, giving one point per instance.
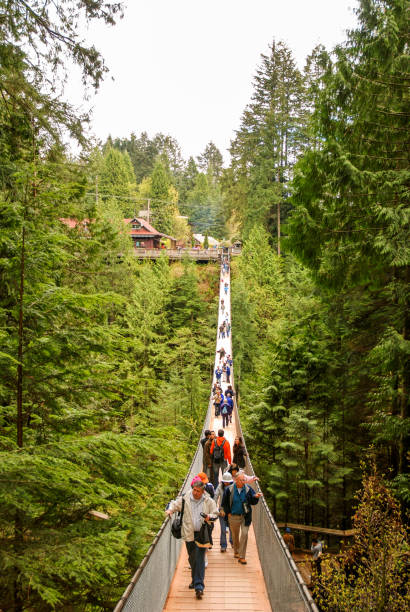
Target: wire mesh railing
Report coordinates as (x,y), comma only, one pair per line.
(149,587)
(286,589)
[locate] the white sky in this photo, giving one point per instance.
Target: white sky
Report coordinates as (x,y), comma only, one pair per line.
(185,67)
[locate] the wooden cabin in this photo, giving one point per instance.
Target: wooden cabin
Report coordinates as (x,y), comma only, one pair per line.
(144,236)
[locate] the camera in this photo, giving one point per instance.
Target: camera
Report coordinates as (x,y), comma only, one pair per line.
(205,515)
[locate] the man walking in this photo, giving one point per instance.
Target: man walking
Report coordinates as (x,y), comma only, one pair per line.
(225,413)
(221,455)
(208,469)
(207,433)
(196,501)
(236,503)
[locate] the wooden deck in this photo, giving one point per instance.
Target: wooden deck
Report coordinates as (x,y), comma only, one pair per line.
(178,254)
(228,584)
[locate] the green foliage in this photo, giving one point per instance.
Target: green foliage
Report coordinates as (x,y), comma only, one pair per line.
(205,207)
(211,161)
(372,573)
(162,208)
(350,223)
(265,146)
(115,179)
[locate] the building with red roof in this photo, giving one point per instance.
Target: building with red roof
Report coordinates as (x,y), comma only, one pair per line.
(144,236)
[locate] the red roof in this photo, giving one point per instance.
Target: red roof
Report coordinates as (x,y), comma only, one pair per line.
(144,226)
(145,230)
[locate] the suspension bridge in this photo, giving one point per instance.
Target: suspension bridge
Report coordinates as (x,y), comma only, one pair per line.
(270,581)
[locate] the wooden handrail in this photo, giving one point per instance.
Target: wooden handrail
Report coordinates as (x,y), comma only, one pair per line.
(344,533)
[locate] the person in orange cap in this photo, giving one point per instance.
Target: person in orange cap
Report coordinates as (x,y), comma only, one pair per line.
(208,486)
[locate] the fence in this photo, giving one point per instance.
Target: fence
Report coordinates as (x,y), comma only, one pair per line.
(148,589)
(285,586)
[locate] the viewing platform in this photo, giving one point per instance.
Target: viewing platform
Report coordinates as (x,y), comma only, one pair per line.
(195,254)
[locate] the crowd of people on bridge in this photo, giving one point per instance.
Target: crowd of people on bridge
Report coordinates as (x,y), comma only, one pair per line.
(221,491)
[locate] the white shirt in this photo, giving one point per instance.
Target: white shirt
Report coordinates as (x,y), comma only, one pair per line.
(196,509)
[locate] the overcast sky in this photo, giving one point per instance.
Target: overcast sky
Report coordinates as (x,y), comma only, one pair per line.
(185,67)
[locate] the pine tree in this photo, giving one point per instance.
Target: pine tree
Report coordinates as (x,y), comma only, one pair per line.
(350,221)
(162,208)
(268,140)
(211,161)
(116,180)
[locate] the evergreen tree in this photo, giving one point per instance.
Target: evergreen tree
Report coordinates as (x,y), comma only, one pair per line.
(162,208)
(204,207)
(116,180)
(211,161)
(265,146)
(186,183)
(350,220)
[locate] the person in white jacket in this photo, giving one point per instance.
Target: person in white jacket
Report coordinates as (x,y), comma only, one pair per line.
(197,502)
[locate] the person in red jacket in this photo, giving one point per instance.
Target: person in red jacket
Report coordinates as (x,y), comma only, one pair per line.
(221,455)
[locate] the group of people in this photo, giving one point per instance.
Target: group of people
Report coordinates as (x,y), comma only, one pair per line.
(225,328)
(229,498)
(223,402)
(222,490)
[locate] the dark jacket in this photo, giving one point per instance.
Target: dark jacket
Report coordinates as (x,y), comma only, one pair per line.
(239,455)
(207,453)
(250,498)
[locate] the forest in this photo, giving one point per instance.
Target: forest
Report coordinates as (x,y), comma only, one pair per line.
(103,382)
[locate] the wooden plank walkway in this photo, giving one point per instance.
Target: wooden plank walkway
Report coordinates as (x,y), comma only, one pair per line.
(228,584)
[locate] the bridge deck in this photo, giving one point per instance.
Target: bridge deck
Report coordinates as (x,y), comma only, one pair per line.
(228,584)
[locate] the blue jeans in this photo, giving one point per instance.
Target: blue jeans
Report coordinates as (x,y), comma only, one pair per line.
(196,558)
(223,466)
(223,524)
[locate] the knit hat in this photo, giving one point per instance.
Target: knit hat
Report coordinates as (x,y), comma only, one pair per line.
(197,482)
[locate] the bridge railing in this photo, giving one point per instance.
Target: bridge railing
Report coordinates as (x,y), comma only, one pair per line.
(286,589)
(148,589)
(177,253)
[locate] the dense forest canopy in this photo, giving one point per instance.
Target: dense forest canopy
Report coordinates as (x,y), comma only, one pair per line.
(101,382)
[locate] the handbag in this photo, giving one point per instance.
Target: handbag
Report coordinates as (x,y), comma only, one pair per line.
(203,537)
(176,524)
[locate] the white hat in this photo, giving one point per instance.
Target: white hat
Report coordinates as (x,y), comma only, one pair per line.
(227,478)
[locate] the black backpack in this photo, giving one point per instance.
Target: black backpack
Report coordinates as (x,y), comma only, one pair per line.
(218,453)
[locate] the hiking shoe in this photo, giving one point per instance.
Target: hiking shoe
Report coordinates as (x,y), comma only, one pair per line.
(198,594)
(223,549)
(242,561)
(191,586)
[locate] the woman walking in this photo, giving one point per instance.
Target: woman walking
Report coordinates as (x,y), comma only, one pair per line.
(239,452)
